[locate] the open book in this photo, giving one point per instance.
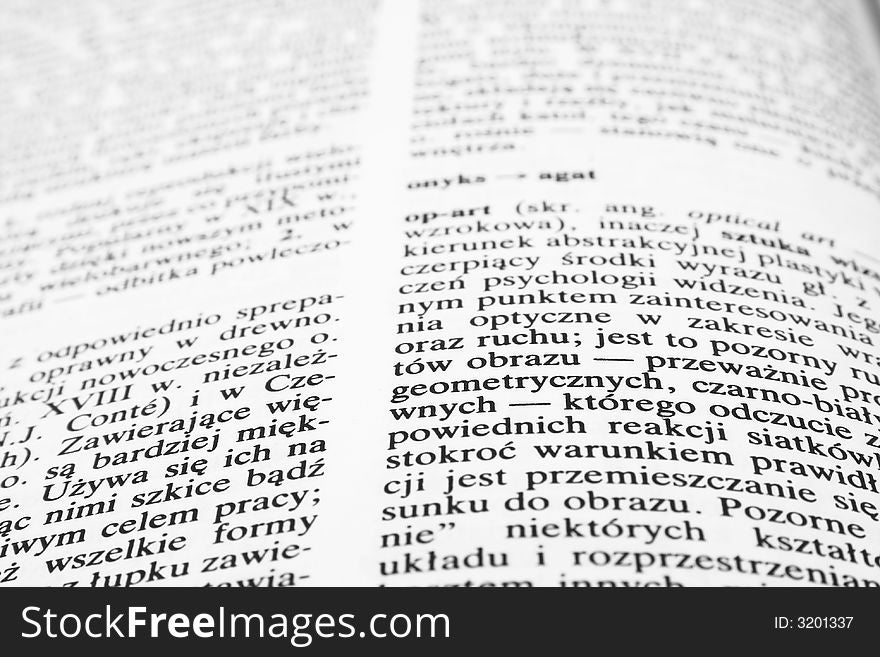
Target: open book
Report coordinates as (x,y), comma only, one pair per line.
(471,293)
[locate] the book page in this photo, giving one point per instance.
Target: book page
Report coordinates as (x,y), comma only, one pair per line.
(440,293)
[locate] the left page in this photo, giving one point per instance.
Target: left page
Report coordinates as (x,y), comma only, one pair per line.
(179,206)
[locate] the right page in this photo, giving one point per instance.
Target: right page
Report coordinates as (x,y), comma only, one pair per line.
(630,287)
